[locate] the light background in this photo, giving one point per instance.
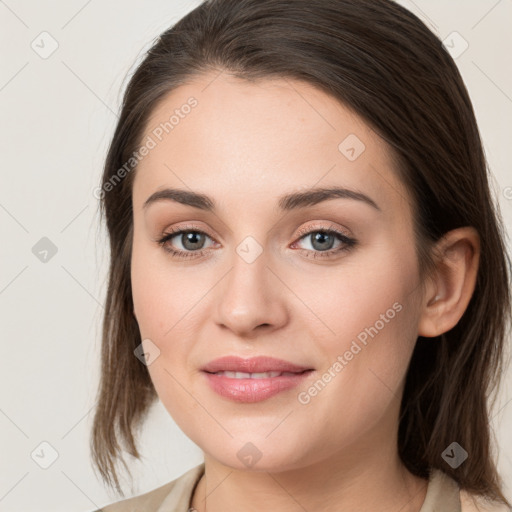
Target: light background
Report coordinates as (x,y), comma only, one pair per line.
(58,115)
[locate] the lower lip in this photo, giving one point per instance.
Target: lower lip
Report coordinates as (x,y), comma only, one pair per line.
(253,390)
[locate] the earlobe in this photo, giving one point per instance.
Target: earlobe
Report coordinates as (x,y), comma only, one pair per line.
(453,283)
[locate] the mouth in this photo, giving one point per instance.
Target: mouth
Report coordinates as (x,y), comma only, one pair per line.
(256,375)
(253,380)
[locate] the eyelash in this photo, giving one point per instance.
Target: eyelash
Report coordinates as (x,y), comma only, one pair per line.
(348,242)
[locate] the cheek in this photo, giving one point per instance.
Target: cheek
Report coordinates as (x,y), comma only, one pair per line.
(167,308)
(163,304)
(370,313)
(362,299)
(160,297)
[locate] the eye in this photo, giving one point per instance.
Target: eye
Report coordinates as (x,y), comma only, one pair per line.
(322,241)
(192,241)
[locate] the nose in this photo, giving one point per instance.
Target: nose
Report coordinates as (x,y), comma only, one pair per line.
(251,298)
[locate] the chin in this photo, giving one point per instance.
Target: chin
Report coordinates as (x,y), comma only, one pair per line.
(257,454)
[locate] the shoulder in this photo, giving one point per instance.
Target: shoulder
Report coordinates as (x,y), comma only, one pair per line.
(176,493)
(445,495)
(149,501)
(472,503)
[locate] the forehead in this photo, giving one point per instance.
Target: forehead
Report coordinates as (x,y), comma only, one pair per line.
(219,133)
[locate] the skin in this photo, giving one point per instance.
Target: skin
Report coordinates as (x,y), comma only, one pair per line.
(244,145)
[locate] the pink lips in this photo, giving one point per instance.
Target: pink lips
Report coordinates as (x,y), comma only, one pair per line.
(248,389)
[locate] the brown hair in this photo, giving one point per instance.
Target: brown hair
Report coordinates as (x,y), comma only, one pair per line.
(381,61)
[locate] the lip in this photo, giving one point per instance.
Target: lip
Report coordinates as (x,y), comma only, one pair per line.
(250,390)
(252,365)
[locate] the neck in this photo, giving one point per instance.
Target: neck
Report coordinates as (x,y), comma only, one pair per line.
(361,478)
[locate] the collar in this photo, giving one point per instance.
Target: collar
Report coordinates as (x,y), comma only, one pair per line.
(442,492)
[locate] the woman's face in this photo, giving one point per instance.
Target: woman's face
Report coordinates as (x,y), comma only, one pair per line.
(268,266)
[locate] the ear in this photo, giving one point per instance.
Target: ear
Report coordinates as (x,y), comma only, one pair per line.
(449,291)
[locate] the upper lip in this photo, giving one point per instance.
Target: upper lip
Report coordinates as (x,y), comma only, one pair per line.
(252,365)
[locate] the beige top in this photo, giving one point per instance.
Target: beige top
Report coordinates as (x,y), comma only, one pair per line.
(443,495)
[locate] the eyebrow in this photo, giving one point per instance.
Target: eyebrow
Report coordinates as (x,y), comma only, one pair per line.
(287,202)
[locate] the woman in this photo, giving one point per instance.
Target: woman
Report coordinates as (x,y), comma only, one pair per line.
(354,376)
